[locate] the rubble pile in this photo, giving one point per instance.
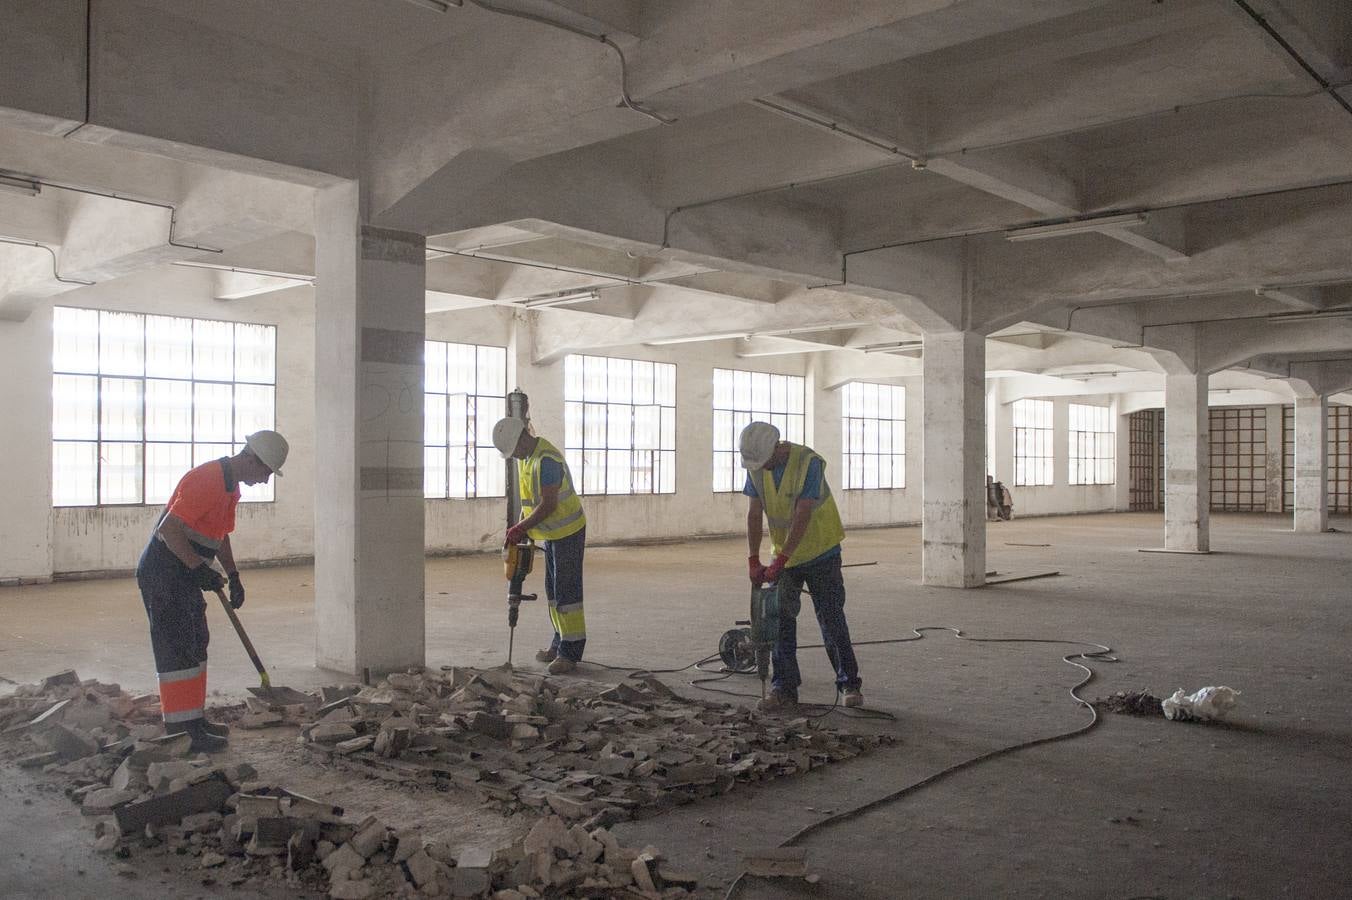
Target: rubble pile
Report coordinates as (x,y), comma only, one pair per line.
(574,757)
(587,752)
(1131,703)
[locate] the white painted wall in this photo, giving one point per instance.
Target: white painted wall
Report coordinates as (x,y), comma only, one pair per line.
(1060,496)
(37,540)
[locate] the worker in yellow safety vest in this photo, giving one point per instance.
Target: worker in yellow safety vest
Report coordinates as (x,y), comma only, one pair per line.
(786,484)
(551,515)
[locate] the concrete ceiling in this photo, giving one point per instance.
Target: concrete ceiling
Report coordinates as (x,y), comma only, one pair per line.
(835,178)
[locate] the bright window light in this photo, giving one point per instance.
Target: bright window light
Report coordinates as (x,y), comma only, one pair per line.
(1092,440)
(620,425)
(874,436)
(741,398)
(138,400)
(464,395)
(1032,442)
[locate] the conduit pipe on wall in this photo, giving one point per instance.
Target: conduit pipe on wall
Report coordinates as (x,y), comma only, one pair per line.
(55,274)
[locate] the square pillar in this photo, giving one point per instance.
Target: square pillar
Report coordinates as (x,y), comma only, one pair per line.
(954,514)
(370,311)
(1312,464)
(1187,458)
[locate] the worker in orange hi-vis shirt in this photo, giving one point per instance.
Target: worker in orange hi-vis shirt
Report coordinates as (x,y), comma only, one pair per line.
(175,569)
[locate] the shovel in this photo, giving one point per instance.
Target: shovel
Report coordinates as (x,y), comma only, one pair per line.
(283,695)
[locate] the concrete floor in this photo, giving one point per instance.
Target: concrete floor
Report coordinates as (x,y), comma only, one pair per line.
(1138,808)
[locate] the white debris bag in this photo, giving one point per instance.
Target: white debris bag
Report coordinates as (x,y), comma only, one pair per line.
(1203,705)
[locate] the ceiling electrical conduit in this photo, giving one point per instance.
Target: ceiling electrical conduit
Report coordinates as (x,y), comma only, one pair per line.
(55,274)
(625,100)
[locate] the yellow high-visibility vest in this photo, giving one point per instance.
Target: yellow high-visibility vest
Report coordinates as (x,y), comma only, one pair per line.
(824,529)
(567,518)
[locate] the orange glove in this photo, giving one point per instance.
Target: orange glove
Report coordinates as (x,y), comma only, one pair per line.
(756,569)
(775,569)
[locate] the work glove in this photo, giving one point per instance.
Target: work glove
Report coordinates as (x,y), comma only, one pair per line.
(207,578)
(775,569)
(515,535)
(756,569)
(236,591)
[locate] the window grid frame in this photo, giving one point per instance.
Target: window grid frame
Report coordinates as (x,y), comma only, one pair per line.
(847,475)
(737,484)
(1032,462)
(1080,437)
(446,445)
(1238,443)
(98,375)
(579,472)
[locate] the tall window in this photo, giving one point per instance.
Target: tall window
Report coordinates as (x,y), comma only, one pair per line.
(1091,444)
(139,400)
(1032,442)
(620,425)
(463,396)
(741,398)
(874,436)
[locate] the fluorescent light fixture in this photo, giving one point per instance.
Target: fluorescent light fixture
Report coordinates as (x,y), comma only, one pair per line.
(697,338)
(1080,226)
(440,6)
(564,299)
(808,329)
(20,184)
(1312,314)
(890,347)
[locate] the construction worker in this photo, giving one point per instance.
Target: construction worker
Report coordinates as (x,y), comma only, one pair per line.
(552,515)
(787,484)
(175,569)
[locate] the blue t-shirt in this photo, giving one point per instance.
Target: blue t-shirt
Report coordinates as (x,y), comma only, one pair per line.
(812,490)
(551,472)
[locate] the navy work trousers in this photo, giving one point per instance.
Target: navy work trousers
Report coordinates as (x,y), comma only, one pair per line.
(563,588)
(824,582)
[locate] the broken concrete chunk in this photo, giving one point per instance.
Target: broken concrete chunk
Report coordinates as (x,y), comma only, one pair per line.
(368,838)
(71,743)
(332,732)
(211,860)
(422,869)
(351,890)
(60,679)
(102,802)
(355,745)
(38,760)
(169,808)
(343,862)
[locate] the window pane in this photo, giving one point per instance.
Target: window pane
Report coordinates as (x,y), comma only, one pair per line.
(722,389)
(434,472)
(202,453)
(647,425)
(594,426)
(796,388)
(491,473)
(75,345)
(168,410)
(619,426)
(213,351)
(620,381)
(253,409)
(462,367)
(760,392)
(74,470)
(487,412)
(121,344)
(741,390)
(725,438)
(461,476)
(643,382)
(779,393)
(212,412)
(434,419)
(492,371)
(594,384)
(434,367)
(75,405)
(667,472)
(795,431)
(120,473)
(168,347)
(666,384)
(572,424)
(120,409)
(255,353)
(722,472)
(165,465)
(593,471)
(617,472)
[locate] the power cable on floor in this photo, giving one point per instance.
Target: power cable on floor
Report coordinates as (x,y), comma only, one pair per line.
(1102,654)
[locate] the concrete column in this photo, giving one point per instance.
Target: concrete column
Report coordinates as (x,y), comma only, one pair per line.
(1312,467)
(369,329)
(1187,476)
(26,476)
(954,515)
(1273,460)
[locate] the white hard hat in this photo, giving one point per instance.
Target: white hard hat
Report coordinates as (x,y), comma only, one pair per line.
(270,448)
(757,444)
(506,434)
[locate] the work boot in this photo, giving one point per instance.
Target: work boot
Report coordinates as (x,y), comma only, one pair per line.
(203,741)
(851,698)
(562,665)
(546,656)
(216,729)
(778,703)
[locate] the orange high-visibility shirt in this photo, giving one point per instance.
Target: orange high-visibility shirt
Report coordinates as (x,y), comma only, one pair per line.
(205,501)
